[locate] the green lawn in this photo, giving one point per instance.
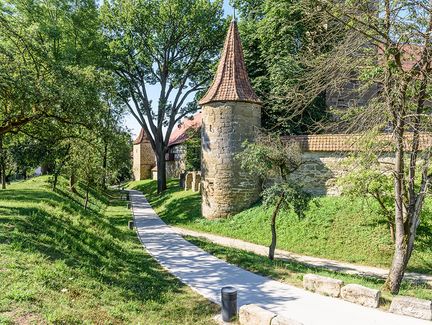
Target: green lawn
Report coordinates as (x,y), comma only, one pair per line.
(61,264)
(292,272)
(339,228)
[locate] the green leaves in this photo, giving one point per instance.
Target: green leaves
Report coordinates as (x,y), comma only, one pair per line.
(49,54)
(293,197)
(270,157)
(273,159)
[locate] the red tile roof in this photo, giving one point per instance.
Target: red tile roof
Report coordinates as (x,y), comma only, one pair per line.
(411,55)
(350,142)
(231,82)
(180,134)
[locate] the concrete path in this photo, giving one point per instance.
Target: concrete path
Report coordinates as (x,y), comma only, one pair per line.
(206,274)
(348,268)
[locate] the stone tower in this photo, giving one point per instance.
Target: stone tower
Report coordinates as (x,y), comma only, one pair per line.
(143,157)
(231,113)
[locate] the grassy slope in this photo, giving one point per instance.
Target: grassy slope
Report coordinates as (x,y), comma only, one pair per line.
(61,264)
(334,227)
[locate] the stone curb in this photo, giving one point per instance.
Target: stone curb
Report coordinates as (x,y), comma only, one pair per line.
(410,306)
(361,295)
(255,315)
(323,285)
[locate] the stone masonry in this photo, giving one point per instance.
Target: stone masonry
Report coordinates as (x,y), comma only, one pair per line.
(231,112)
(226,188)
(143,157)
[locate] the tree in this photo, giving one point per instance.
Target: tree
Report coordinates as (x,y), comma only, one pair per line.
(169,43)
(368,175)
(193,150)
(47,62)
(275,35)
(273,160)
(386,46)
(87,166)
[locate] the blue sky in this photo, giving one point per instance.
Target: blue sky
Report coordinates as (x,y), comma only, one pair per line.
(153,92)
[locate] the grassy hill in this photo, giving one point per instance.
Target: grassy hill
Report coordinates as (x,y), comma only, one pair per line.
(62,264)
(334,227)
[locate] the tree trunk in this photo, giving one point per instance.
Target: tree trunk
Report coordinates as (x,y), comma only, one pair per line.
(161,172)
(72,182)
(2,165)
(392,231)
(399,264)
(104,165)
(86,197)
(401,254)
(58,170)
(272,246)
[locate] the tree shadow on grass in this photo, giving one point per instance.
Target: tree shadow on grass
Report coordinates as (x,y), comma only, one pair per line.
(183,210)
(94,243)
(282,269)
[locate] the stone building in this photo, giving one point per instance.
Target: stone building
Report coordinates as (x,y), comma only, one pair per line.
(143,157)
(231,112)
(144,160)
(175,158)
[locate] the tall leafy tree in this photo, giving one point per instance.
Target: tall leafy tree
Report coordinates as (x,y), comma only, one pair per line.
(48,52)
(387,46)
(171,44)
(275,35)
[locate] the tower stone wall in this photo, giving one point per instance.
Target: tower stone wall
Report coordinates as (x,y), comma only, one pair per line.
(143,160)
(226,188)
(231,114)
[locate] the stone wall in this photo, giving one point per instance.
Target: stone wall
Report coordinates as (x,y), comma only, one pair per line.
(319,173)
(226,189)
(324,161)
(143,160)
(176,164)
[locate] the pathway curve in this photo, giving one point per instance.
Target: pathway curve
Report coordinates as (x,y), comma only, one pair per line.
(206,274)
(348,268)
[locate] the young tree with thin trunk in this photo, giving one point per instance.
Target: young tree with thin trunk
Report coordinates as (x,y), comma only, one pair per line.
(385,46)
(273,160)
(171,44)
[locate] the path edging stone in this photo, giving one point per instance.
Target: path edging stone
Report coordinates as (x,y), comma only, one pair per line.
(322,285)
(361,295)
(255,315)
(410,306)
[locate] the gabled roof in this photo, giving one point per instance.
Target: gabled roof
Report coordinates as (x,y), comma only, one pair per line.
(231,82)
(142,136)
(180,133)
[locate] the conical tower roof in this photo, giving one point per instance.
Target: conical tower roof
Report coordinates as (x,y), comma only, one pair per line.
(142,137)
(231,82)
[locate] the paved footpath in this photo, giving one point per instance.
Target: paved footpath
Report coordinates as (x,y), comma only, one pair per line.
(206,274)
(348,268)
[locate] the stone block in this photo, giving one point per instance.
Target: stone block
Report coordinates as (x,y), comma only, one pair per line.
(196,182)
(410,306)
(361,295)
(281,320)
(188,181)
(323,285)
(255,315)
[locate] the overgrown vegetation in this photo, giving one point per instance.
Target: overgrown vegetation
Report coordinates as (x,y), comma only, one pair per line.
(340,228)
(62,264)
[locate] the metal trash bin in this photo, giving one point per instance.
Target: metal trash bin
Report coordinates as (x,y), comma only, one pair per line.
(229,303)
